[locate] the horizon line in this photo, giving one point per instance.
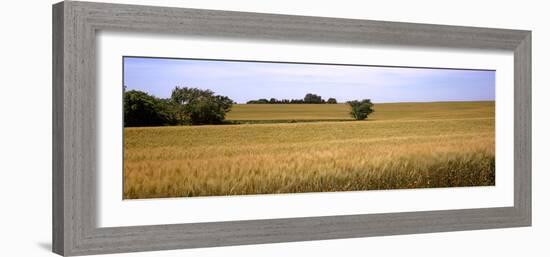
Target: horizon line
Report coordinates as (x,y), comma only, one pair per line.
(338,102)
(436,101)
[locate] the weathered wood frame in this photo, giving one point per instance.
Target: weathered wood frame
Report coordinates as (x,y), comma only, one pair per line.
(74,129)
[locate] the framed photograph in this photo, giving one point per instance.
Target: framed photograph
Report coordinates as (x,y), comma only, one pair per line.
(181,128)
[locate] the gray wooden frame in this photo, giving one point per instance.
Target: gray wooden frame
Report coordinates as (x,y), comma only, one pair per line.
(74,129)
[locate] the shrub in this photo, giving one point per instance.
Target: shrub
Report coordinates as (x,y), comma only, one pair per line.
(360,110)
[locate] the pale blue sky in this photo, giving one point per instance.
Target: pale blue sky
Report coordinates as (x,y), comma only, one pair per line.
(244,81)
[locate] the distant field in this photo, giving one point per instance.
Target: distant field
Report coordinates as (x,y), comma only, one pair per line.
(387,111)
(405,145)
(288,112)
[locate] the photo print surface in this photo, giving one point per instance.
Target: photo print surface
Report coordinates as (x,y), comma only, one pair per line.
(197,128)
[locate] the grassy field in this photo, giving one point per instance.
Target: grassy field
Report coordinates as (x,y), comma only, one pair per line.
(404,145)
(336,112)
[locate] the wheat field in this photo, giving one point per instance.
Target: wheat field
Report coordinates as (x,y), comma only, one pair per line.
(403,145)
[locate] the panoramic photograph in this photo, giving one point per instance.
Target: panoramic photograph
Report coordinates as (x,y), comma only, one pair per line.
(198,128)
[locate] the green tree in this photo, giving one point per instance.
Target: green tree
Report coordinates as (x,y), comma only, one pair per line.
(332,101)
(142,109)
(360,110)
(312,99)
(198,106)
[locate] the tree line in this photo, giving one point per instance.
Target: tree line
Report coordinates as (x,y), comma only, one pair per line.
(308,99)
(193,106)
(186,106)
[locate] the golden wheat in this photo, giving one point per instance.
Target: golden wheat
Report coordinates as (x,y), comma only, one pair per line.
(456,149)
(386,111)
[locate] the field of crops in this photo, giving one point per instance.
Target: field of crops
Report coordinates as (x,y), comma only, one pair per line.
(404,145)
(335,112)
